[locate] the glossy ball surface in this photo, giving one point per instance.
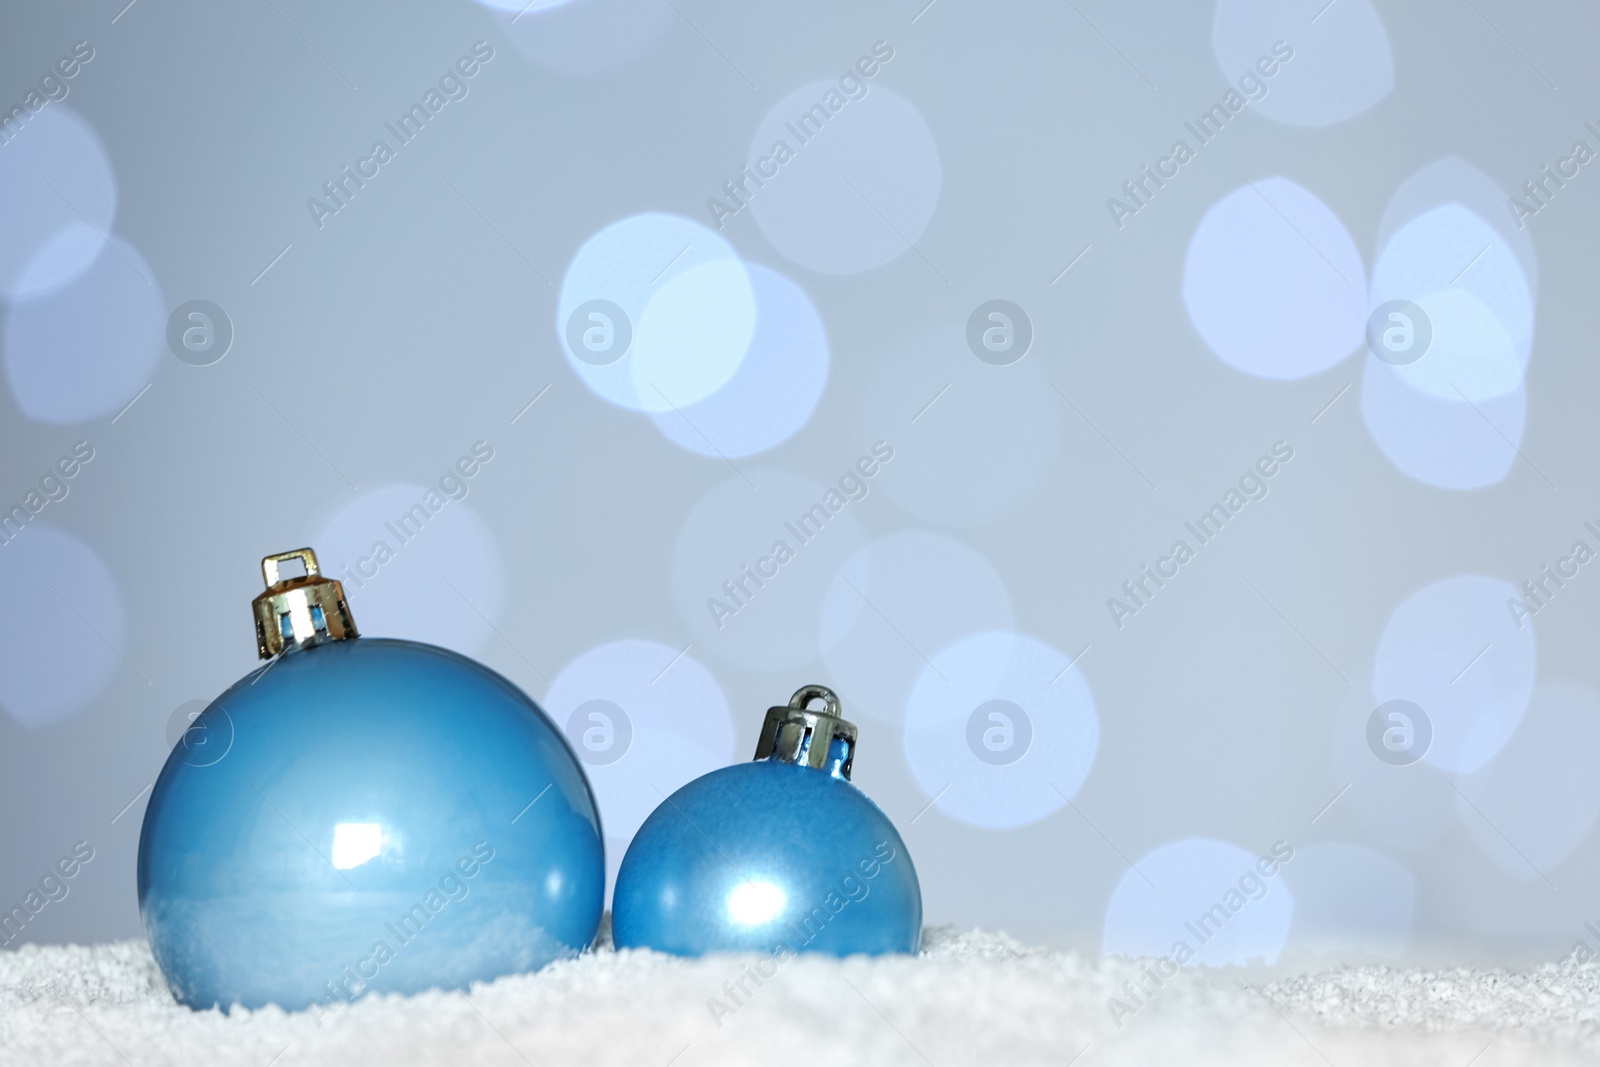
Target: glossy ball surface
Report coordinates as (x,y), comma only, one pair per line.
(366,815)
(767,856)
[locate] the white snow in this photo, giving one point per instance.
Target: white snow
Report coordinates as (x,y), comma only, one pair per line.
(971,997)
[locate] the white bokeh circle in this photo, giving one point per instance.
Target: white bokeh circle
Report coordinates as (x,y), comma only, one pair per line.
(723,542)
(1169,890)
(1062,727)
(59,645)
(1479,304)
(444,581)
(1448,444)
(1453,649)
(1433,230)
(688,301)
(86,348)
(1342,63)
(1349,901)
(60,197)
(897,599)
(1532,806)
(1274,283)
(1453,181)
(776,387)
(857,190)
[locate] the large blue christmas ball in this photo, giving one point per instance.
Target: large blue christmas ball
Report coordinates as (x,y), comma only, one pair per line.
(366,815)
(780,855)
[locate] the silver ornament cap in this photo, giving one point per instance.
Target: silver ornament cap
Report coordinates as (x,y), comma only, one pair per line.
(797,733)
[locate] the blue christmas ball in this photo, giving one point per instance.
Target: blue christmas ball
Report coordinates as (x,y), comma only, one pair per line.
(363,814)
(781,855)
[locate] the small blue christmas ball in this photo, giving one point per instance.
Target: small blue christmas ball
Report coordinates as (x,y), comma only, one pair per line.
(363,814)
(781,855)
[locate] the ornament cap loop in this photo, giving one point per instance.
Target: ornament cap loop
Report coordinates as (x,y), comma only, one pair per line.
(301,610)
(796,733)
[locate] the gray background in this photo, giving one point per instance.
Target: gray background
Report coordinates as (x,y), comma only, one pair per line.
(416,322)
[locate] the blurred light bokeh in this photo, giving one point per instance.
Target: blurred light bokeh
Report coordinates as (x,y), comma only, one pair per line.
(1168,427)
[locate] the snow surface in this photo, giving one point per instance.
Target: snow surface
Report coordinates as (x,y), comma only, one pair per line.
(972,997)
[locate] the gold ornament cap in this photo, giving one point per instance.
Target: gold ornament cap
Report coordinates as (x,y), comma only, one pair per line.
(299,611)
(797,733)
